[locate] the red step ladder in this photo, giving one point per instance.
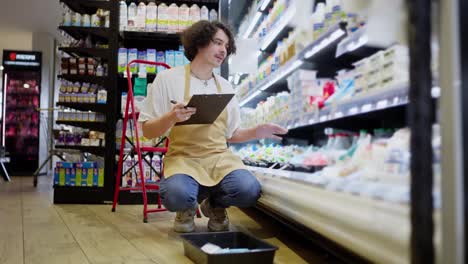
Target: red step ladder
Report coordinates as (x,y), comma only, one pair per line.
(131,114)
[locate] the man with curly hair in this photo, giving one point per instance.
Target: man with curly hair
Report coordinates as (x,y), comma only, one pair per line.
(199,167)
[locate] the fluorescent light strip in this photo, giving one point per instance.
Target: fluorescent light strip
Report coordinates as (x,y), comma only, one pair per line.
(252,25)
(250,97)
(284,22)
(288,70)
(265,3)
(325,42)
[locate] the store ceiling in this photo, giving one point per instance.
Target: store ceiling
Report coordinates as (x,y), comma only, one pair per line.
(30,16)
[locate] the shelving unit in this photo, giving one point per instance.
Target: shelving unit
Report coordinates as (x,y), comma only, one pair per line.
(345,213)
(100,151)
(109,36)
(100,108)
(96,126)
(86,52)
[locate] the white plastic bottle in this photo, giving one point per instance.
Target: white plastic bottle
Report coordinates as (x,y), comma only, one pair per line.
(162,17)
(194,14)
(141,17)
(183,17)
(123,20)
(131,16)
(204,13)
(213,15)
(151,17)
(173,18)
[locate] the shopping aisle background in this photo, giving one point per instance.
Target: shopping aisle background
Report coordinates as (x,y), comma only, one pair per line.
(33,230)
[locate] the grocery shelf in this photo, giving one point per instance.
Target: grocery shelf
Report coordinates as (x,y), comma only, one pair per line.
(82,32)
(87,6)
(86,52)
(101,108)
(96,126)
(281,30)
(276,79)
(321,50)
(379,100)
(84,78)
(364,225)
(355,46)
(100,151)
(123,79)
(148,40)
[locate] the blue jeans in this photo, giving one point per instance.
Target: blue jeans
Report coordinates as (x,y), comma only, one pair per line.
(239,188)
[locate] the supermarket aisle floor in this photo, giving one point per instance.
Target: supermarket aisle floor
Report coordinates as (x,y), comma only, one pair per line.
(33,230)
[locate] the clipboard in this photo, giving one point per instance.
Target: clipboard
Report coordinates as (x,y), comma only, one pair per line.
(209,107)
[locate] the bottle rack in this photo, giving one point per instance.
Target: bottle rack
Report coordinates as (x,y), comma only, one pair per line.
(108,35)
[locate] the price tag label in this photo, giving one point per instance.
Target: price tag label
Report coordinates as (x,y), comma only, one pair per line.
(323,118)
(297,124)
(311,121)
(396,100)
(366,108)
(353,111)
(339,114)
(382,104)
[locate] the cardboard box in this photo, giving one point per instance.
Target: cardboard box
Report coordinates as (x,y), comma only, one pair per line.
(56,176)
(95,174)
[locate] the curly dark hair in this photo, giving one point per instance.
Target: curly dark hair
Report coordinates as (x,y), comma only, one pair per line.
(200,34)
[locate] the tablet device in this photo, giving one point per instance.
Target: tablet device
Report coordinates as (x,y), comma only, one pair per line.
(209,107)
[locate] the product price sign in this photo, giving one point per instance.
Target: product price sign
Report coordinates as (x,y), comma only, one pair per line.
(396,100)
(382,104)
(366,108)
(353,110)
(323,118)
(338,114)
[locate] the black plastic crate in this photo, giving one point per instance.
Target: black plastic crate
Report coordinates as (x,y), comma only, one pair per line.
(262,252)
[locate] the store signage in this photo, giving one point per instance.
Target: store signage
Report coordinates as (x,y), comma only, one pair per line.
(21,58)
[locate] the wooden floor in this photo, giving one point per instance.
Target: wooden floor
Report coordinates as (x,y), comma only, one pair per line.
(34,231)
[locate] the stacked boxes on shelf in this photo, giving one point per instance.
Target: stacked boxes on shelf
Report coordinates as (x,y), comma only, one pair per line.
(78,174)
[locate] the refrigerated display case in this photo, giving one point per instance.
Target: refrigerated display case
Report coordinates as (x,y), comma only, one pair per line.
(20,118)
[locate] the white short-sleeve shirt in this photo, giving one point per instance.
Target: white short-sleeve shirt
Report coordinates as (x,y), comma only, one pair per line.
(170,85)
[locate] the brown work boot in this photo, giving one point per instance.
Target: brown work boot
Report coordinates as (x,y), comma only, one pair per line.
(184,221)
(219,220)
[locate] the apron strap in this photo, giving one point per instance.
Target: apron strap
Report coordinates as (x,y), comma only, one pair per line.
(187,83)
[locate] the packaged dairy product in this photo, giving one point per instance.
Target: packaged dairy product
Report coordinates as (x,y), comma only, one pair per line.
(213,15)
(162,17)
(160,57)
(170,58)
(122,60)
(123,20)
(204,13)
(131,15)
(179,58)
(184,11)
(141,16)
(142,56)
(133,55)
(194,14)
(151,56)
(151,17)
(173,18)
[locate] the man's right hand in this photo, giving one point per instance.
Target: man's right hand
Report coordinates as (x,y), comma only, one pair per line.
(181,114)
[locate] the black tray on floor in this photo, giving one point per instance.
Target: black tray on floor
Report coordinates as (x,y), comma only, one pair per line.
(259,251)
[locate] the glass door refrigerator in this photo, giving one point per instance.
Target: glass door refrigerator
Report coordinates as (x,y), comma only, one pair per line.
(20,116)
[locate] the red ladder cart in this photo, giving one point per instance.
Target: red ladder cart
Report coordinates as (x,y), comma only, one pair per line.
(131,114)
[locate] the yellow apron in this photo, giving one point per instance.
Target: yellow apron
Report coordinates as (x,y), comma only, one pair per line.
(201,150)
